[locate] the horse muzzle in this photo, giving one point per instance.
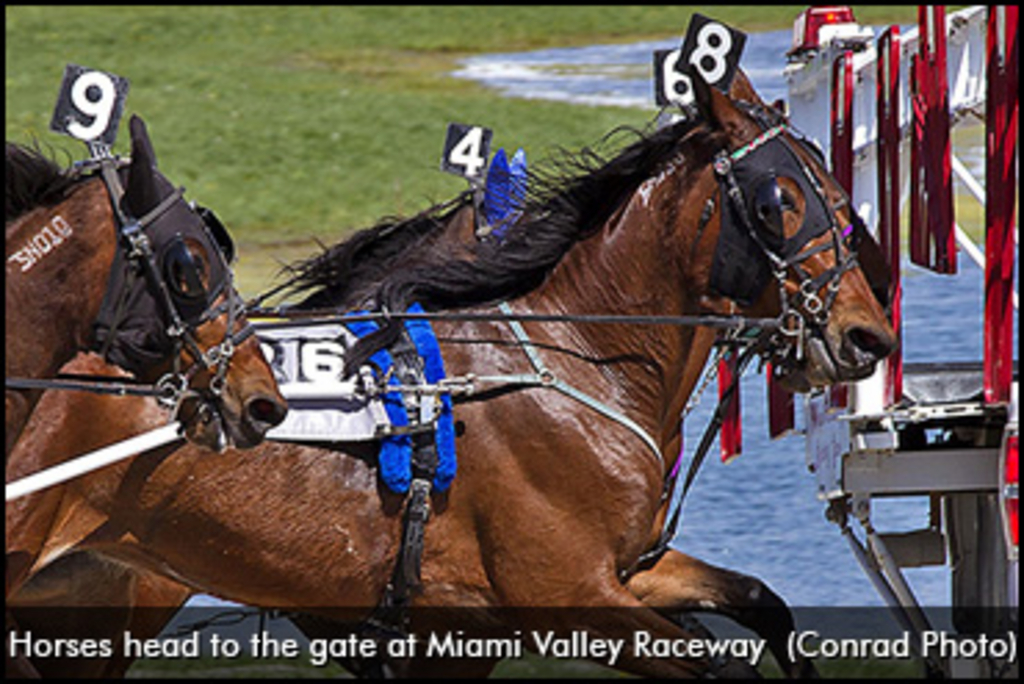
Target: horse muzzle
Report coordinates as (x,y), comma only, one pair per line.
(222,422)
(831,356)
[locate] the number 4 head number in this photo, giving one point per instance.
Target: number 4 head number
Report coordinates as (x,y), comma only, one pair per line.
(465,150)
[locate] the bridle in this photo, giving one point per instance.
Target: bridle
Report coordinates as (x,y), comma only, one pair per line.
(757,217)
(752,217)
(155,277)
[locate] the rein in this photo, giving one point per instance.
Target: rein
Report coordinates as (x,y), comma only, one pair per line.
(95,384)
(736,324)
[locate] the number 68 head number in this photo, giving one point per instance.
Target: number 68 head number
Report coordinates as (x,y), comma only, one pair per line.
(711,48)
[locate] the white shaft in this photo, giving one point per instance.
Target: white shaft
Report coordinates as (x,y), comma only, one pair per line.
(92,461)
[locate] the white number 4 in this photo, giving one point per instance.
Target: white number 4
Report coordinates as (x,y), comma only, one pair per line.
(466,150)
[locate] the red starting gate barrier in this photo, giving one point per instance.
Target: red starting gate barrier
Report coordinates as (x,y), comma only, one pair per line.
(731,437)
(932,237)
(888,155)
(1000,200)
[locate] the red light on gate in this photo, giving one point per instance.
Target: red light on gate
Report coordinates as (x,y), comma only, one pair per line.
(807,27)
(1011,477)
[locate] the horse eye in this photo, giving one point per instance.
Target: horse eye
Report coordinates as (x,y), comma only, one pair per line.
(788,202)
(185,271)
(768,207)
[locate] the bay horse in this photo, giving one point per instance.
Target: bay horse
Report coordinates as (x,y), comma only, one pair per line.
(142,602)
(72,284)
(554,503)
(110,256)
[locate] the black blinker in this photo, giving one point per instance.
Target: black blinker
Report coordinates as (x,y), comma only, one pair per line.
(181,271)
(219,232)
(768,210)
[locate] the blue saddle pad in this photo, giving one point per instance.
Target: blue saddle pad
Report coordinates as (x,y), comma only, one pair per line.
(395,458)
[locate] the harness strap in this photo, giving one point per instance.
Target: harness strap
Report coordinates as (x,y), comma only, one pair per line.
(546,378)
(95,384)
(390,616)
(668,533)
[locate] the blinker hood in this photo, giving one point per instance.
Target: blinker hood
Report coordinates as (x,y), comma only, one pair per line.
(132,326)
(740,268)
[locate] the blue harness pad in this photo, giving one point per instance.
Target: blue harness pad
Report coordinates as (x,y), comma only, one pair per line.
(395,458)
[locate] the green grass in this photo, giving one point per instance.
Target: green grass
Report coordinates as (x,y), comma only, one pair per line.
(303,122)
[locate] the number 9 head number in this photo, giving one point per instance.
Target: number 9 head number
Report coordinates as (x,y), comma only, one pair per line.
(89,105)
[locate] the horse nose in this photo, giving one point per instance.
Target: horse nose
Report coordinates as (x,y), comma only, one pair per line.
(265,412)
(865,346)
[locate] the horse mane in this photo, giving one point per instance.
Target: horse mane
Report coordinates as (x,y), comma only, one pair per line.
(33,180)
(570,197)
(344,275)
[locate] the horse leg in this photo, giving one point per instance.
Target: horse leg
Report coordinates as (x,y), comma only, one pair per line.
(87,596)
(19,666)
(614,613)
(678,582)
(155,600)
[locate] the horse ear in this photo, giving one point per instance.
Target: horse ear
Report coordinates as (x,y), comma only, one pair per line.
(715,107)
(141,193)
(742,89)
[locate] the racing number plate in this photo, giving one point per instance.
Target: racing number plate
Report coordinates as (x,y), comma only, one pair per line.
(89,105)
(711,48)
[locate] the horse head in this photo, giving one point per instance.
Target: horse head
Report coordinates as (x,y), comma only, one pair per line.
(185,302)
(788,243)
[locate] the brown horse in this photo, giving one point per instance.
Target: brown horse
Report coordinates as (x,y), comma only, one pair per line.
(145,601)
(72,284)
(554,502)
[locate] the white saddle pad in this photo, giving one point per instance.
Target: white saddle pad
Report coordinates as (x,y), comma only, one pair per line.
(307,363)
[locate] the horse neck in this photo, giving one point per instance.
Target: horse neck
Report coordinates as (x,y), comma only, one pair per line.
(58,264)
(637,265)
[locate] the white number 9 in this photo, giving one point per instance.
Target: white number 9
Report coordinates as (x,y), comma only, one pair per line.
(717,53)
(99,109)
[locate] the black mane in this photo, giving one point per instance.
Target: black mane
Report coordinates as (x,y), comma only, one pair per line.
(345,275)
(33,180)
(568,200)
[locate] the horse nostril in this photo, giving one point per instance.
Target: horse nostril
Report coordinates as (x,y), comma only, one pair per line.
(266,411)
(870,343)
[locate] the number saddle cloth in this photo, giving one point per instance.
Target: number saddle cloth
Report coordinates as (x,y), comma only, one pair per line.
(415,429)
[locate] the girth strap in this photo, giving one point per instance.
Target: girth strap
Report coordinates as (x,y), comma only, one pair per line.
(546,378)
(390,617)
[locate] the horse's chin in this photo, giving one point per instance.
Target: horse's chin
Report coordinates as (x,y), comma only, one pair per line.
(204,425)
(818,369)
